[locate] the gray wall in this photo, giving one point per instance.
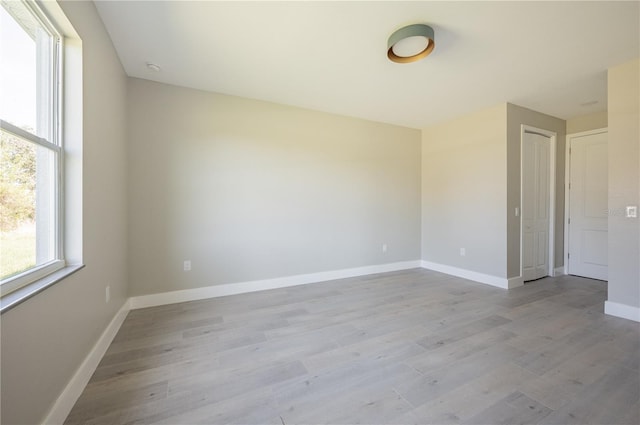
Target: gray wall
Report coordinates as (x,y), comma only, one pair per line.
(516,116)
(464,192)
(251,190)
(46,338)
(624,183)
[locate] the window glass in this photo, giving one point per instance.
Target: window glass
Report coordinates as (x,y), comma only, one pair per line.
(30,156)
(18,70)
(18,213)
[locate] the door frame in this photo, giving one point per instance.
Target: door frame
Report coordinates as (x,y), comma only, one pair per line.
(552,193)
(567,182)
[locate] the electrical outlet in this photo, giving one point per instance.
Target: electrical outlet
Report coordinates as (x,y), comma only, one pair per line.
(463,252)
(632,211)
(107,294)
(384,247)
(187,265)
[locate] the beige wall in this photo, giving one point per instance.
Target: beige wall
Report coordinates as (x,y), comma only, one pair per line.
(46,338)
(250,190)
(464,192)
(516,117)
(587,122)
(624,183)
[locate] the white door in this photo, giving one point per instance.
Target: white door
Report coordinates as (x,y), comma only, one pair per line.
(535,205)
(588,202)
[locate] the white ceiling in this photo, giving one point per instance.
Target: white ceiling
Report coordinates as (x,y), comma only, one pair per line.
(331,56)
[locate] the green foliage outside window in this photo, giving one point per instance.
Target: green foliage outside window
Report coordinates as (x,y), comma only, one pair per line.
(17,182)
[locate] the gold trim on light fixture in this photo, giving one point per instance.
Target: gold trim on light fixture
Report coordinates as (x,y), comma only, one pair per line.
(415,30)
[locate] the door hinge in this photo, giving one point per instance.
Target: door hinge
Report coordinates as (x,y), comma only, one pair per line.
(568,255)
(569,220)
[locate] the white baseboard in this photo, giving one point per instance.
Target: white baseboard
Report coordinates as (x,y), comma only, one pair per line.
(559,271)
(622,310)
(514,282)
(500,282)
(78,382)
(215,291)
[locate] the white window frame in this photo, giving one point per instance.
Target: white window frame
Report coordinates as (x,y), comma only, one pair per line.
(53,94)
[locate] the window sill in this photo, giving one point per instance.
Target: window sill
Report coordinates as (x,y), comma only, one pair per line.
(19,296)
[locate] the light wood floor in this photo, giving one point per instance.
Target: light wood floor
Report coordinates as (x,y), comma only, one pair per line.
(412,347)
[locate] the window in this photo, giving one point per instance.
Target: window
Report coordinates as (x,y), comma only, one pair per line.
(31,167)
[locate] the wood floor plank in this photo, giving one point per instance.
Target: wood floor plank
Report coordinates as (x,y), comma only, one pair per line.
(254,407)
(440,381)
(414,346)
(471,398)
(610,400)
(515,409)
(451,352)
(327,396)
(91,405)
(554,354)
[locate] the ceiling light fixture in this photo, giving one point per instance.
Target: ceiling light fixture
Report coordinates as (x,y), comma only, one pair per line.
(411,43)
(153,67)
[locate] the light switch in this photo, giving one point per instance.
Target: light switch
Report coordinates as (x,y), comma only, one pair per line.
(632,211)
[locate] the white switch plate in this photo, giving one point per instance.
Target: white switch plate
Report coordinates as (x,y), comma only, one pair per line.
(187,265)
(632,211)
(463,252)
(107,294)
(517,211)
(384,247)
